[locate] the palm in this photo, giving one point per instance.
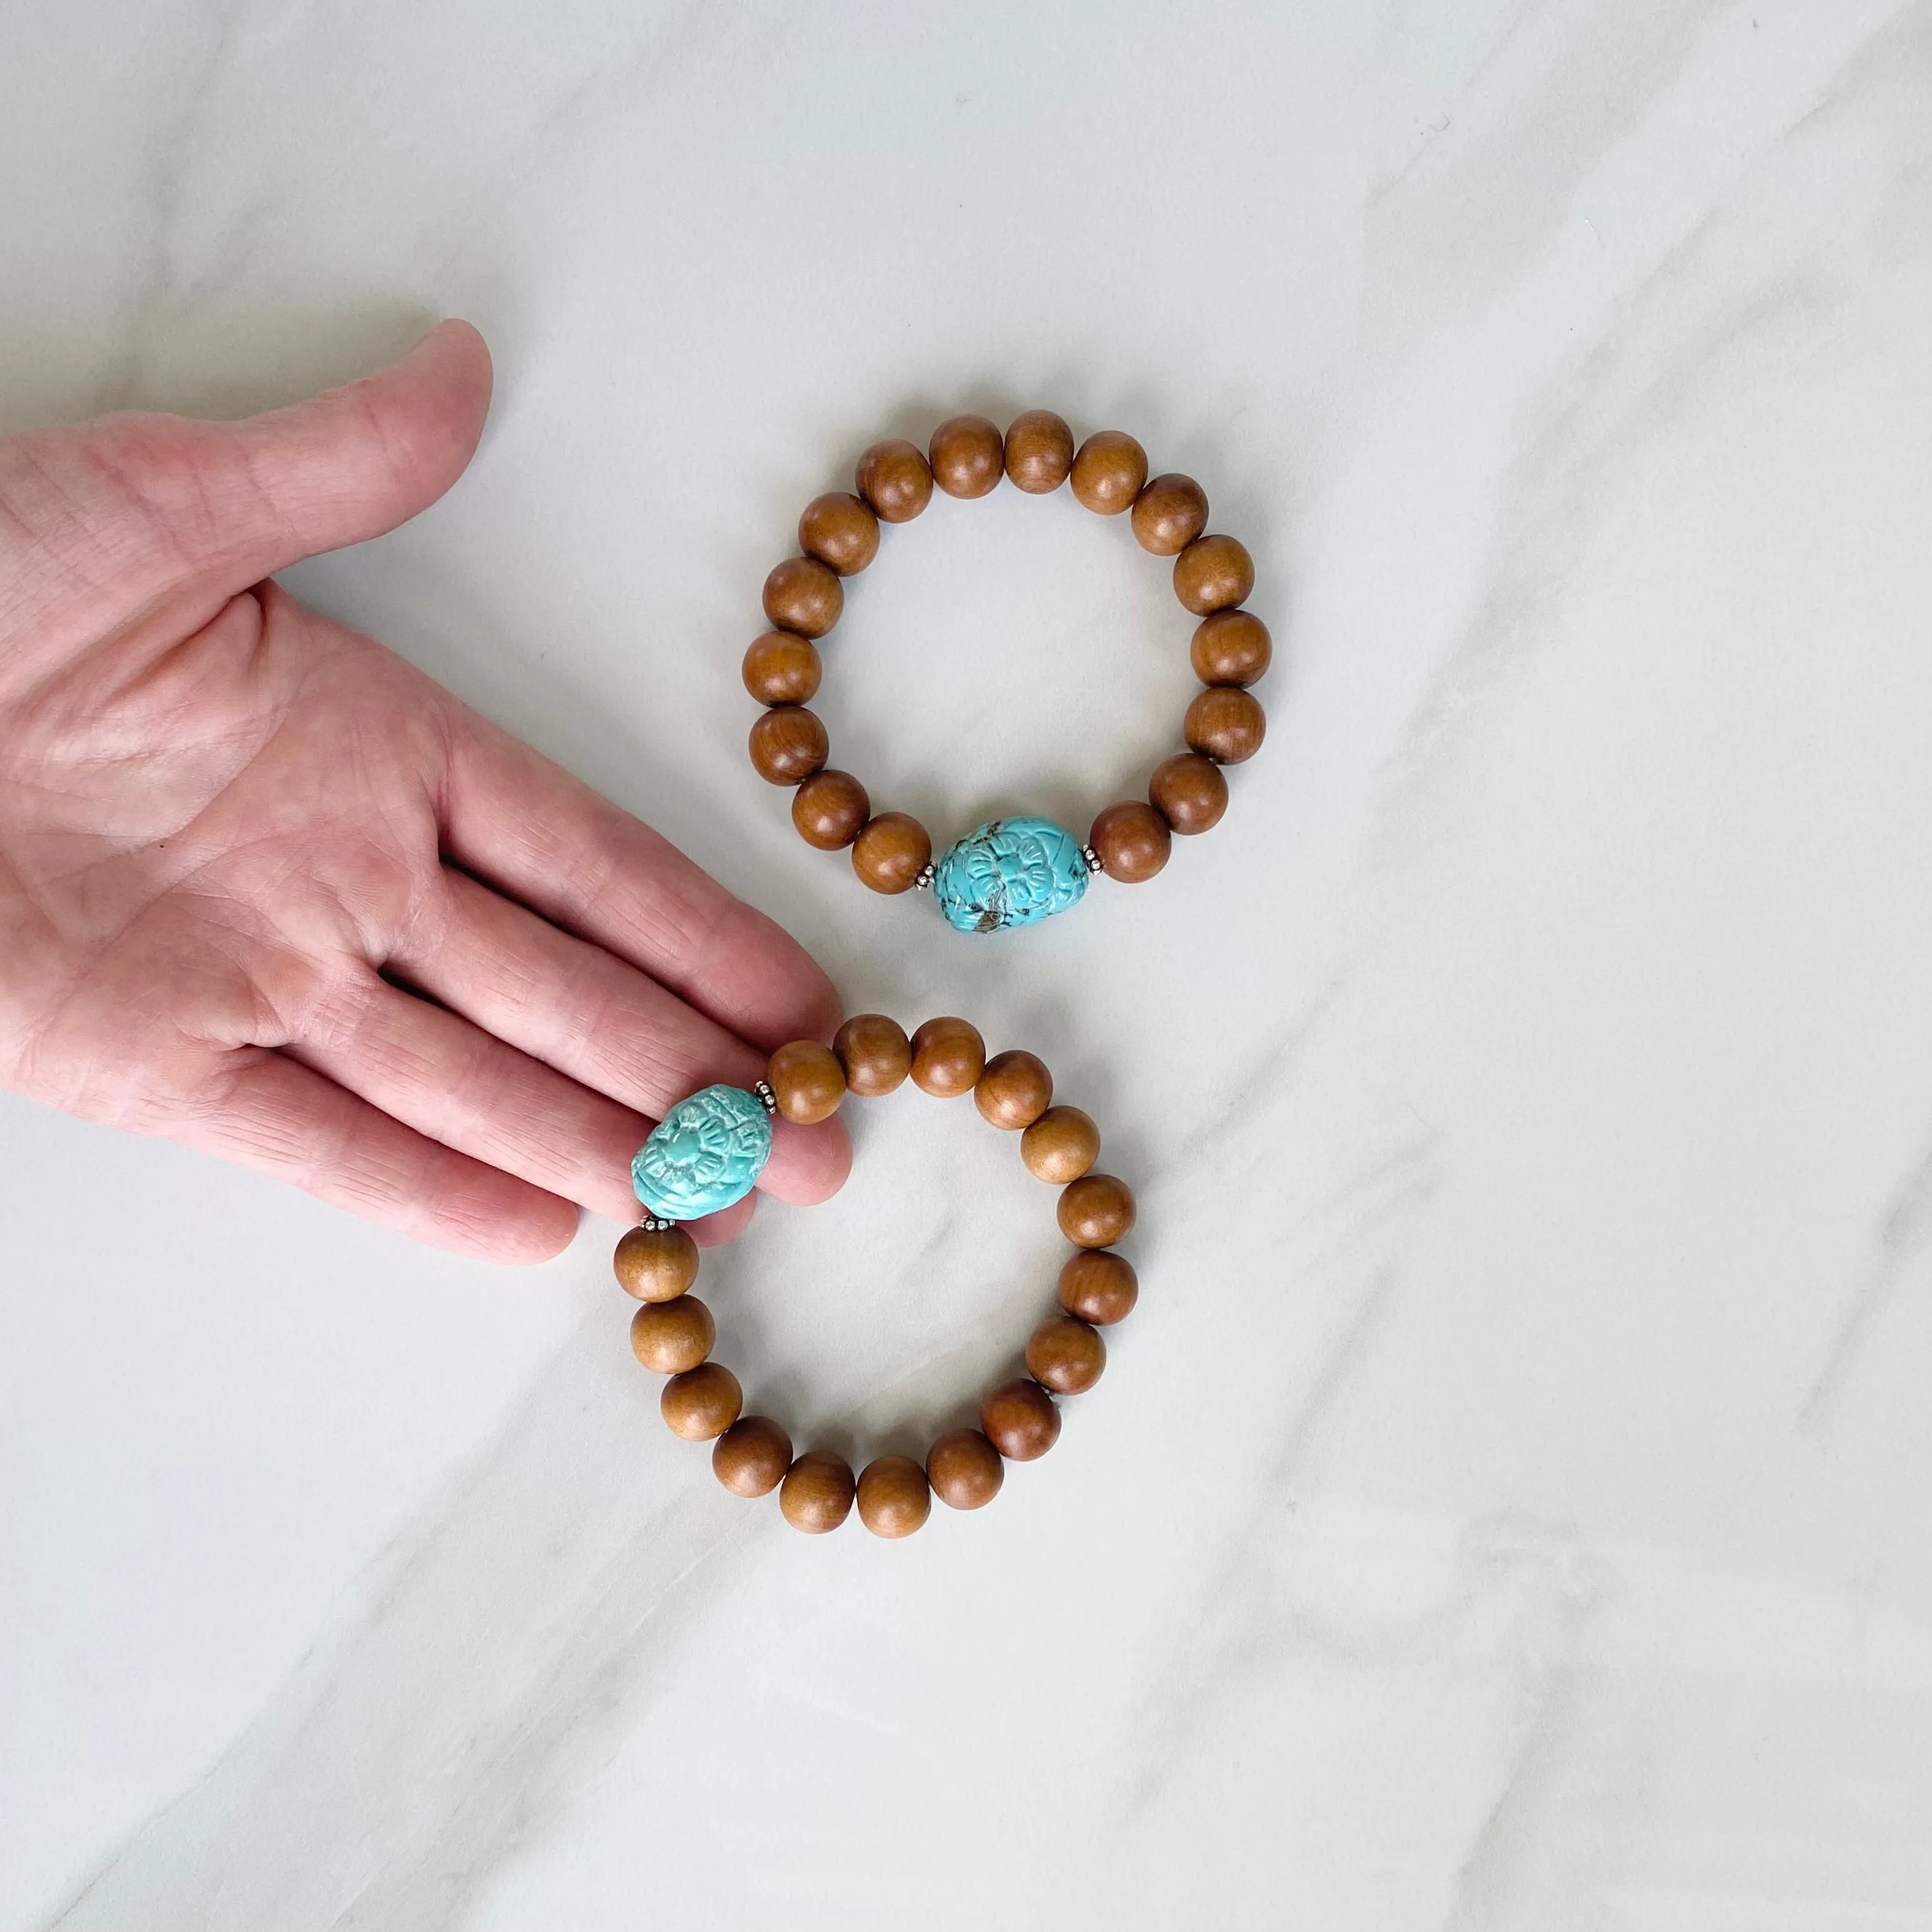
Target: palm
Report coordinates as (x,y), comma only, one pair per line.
(238,842)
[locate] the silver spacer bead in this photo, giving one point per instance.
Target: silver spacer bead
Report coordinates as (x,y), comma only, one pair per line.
(928,873)
(652,1225)
(763,1088)
(1094,867)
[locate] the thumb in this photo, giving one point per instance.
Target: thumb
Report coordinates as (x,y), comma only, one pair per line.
(132,507)
(353,462)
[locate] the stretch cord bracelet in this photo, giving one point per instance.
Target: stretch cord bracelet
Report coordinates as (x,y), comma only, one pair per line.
(1013,872)
(708,1152)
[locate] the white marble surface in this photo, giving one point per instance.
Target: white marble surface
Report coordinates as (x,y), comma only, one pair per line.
(1507,1509)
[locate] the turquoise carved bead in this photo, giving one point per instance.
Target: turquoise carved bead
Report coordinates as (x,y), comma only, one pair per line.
(1015,872)
(706,1153)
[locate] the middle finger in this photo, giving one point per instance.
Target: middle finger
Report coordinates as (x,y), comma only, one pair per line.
(592,1016)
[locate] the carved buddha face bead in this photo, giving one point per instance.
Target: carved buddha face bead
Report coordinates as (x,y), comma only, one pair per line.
(1015,872)
(705,1154)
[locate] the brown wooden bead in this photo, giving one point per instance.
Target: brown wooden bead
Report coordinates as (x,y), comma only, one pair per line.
(1097,1210)
(1132,840)
(840,530)
(1169,514)
(891,852)
(964,1469)
(1039,451)
(656,1263)
(1187,791)
(830,809)
(1213,573)
(1225,723)
(894,1498)
(702,1402)
(788,743)
(1108,472)
(1020,1419)
(1099,1286)
(817,1494)
(808,1082)
(751,1458)
(1013,1090)
(895,477)
(948,1057)
(801,594)
(1232,647)
(1061,1145)
(874,1052)
(781,667)
(669,1337)
(968,457)
(1066,1355)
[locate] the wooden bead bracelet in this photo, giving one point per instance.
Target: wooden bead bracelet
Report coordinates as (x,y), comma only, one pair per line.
(708,1151)
(1013,872)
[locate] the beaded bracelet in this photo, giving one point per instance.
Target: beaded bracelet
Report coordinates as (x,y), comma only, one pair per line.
(1013,872)
(708,1151)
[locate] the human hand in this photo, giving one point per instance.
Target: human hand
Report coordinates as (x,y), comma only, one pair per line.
(232,834)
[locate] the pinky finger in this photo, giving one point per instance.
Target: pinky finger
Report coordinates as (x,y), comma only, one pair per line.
(263,1110)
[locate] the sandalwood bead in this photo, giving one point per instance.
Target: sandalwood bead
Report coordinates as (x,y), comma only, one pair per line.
(874,1052)
(817,1493)
(895,479)
(1013,1090)
(781,667)
(1187,791)
(1108,472)
(1225,723)
(889,854)
(967,456)
(669,1337)
(1097,1210)
(751,1458)
(894,1499)
(1020,1419)
(1169,514)
(964,1469)
(1066,1355)
(1099,1286)
(788,743)
(656,1263)
(830,809)
(1213,573)
(1132,840)
(1039,451)
(948,1057)
(1232,647)
(807,1081)
(1060,1146)
(801,594)
(702,1402)
(841,531)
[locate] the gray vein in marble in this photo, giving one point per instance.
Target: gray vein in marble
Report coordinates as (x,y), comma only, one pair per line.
(1270,1075)
(1904,1232)
(1584,99)
(570,117)
(162,293)
(1595,404)
(1236,1604)
(505,1622)
(1567,1588)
